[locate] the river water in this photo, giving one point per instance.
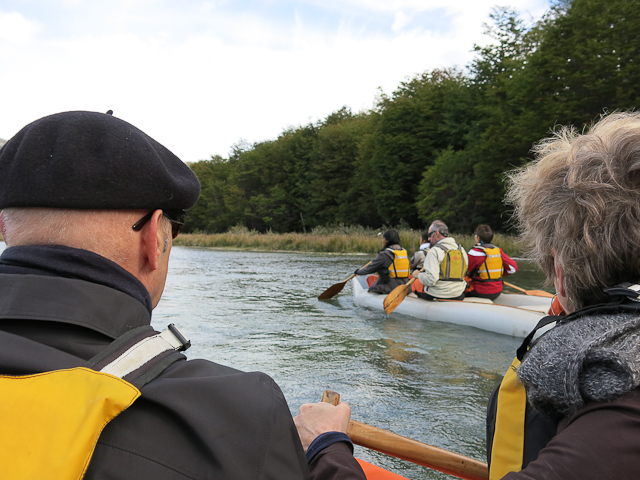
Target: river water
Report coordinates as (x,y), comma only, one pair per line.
(259,311)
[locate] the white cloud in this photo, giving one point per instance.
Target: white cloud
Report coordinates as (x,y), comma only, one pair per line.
(15,29)
(199,77)
(401,20)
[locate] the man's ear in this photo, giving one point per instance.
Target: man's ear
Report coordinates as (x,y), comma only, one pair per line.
(2,225)
(153,238)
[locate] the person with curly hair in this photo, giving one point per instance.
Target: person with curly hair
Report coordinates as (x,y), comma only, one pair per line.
(569,407)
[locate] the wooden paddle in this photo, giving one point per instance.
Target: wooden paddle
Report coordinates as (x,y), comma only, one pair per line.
(333,290)
(397,295)
(413,451)
(536,293)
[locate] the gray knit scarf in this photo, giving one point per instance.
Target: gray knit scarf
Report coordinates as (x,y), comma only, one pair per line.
(591,359)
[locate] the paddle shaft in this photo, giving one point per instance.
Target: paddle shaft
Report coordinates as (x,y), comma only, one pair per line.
(535,293)
(349,278)
(355,275)
(514,286)
(413,451)
(397,295)
(335,289)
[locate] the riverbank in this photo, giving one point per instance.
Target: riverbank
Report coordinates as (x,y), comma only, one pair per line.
(363,241)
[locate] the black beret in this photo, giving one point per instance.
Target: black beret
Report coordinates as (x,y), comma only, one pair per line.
(89,160)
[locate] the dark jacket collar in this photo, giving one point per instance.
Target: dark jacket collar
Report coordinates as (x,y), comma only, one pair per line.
(55,272)
(67,262)
(48,298)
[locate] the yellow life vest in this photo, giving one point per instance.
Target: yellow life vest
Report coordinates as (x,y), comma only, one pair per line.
(491,268)
(508,439)
(508,445)
(453,266)
(399,268)
(51,421)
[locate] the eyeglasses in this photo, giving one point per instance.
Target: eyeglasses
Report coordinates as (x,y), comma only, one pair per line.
(431,233)
(176,217)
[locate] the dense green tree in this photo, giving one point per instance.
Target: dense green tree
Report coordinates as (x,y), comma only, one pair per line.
(424,116)
(222,203)
(361,193)
(277,170)
(464,186)
(332,169)
(439,145)
(588,60)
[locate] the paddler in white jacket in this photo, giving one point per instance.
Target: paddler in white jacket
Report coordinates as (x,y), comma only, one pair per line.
(445,266)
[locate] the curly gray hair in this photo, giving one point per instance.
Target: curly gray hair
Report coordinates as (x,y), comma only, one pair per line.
(580,201)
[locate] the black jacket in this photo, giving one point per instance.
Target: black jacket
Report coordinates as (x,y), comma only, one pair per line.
(380,265)
(197,420)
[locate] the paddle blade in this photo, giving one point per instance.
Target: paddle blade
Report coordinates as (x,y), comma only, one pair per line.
(396,297)
(332,291)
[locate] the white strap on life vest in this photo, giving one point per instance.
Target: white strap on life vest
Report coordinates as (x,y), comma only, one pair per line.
(145,350)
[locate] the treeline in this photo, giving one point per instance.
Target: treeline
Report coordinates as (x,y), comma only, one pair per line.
(439,145)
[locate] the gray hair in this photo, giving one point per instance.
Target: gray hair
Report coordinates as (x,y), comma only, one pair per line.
(580,201)
(99,231)
(441,227)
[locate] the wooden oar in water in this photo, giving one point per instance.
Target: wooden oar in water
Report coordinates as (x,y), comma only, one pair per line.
(536,293)
(397,295)
(333,290)
(413,451)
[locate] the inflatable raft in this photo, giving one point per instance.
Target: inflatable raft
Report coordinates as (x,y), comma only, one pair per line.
(509,314)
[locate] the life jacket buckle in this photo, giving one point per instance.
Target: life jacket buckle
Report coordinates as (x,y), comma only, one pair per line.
(628,290)
(184,341)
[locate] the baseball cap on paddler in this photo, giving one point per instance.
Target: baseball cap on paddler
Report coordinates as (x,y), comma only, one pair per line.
(90,160)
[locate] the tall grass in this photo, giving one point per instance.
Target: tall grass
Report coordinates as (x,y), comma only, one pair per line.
(326,240)
(339,239)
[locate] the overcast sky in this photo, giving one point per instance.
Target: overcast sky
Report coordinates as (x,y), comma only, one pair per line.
(199,76)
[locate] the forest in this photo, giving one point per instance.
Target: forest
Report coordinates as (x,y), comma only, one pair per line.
(440,144)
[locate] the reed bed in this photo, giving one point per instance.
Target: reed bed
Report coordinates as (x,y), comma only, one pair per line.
(326,240)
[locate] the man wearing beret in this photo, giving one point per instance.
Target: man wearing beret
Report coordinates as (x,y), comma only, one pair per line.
(90,206)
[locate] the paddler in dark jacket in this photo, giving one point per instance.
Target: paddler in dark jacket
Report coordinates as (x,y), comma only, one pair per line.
(578,206)
(391,264)
(90,207)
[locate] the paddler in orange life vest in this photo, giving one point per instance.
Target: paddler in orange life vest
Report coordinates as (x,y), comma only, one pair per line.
(487,265)
(391,264)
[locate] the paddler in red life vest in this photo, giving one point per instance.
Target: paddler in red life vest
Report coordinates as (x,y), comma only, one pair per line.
(391,264)
(487,265)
